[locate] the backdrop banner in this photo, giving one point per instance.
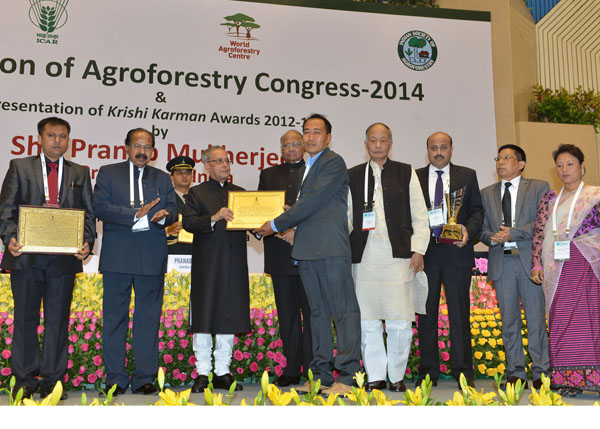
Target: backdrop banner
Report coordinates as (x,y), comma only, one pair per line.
(239,74)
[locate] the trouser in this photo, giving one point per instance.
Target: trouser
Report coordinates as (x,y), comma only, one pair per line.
(203,345)
(375,357)
(149,292)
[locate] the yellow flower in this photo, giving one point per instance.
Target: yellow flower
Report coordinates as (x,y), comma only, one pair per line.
(481,368)
(478,355)
(475,325)
(330,399)
(444,311)
(479,318)
(486,333)
(501,367)
(488,355)
(492,343)
(500,342)
(474,331)
(491,371)
(492,324)
(496,333)
(382,400)
(484,324)
(489,318)
(472,342)
(501,355)
(482,341)
(281,399)
(525,341)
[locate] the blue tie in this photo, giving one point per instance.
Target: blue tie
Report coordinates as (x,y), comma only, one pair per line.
(437,199)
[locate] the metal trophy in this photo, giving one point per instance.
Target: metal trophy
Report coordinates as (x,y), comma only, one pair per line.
(452,232)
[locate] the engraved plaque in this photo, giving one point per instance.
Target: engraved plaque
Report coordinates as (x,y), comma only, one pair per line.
(251,209)
(50,230)
(184,236)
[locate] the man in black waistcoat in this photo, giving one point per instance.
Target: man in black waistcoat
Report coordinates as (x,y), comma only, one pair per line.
(220,296)
(293,310)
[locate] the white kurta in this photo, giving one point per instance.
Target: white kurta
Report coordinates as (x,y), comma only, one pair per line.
(385,286)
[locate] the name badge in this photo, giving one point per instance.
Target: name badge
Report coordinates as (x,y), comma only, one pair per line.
(436,217)
(510,245)
(368,221)
(141,225)
(562,250)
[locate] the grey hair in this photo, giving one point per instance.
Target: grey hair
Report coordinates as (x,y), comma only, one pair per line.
(207,152)
(293,131)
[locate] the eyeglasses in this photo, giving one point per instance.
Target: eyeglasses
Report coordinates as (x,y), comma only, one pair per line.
(289,145)
(146,148)
(504,158)
(221,161)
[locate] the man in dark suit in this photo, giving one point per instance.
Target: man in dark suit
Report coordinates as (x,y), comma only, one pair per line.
(135,202)
(181,169)
(450,264)
(219,296)
(41,277)
(293,311)
(322,246)
(510,211)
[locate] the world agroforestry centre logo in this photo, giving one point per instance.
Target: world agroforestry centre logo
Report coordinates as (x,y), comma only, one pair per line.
(240,29)
(417,50)
(48,16)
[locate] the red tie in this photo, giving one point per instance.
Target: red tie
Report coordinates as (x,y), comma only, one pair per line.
(53,183)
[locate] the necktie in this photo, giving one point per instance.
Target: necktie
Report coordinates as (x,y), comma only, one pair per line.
(506,203)
(53,183)
(437,199)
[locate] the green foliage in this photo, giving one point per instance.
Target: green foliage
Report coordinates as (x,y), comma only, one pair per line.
(413,3)
(48,19)
(562,107)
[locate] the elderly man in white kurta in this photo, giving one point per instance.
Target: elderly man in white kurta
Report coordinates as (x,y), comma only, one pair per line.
(389,235)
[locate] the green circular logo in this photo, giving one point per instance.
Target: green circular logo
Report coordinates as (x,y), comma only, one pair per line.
(417,50)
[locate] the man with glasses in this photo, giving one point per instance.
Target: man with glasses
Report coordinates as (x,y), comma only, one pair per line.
(510,211)
(181,169)
(219,296)
(293,310)
(135,202)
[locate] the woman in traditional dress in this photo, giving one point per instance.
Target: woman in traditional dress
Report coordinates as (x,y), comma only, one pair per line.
(566,262)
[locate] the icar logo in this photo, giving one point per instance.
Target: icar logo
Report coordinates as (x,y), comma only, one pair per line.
(48,16)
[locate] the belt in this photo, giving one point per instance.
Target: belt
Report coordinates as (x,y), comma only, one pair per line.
(511,252)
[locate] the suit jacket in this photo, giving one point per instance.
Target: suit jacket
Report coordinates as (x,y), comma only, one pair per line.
(125,251)
(178,248)
(284,177)
(23,185)
(320,213)
(470,215)
(529,195)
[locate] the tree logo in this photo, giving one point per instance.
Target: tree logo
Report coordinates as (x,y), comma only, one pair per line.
(417,50)
(48,15)
(240,20)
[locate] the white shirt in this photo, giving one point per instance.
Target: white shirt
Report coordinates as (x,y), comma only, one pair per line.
(433,176)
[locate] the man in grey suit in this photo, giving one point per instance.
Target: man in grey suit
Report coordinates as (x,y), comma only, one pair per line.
(510,211)
(322,246)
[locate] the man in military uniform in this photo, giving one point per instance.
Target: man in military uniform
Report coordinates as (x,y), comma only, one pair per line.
(181,170)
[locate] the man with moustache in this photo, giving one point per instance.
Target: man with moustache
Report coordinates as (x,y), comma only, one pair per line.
(510,211)
(450,264)
(322,247)
(135,202)
(389,236)
(293,311)
(51,180)
(181,169)
(219,297)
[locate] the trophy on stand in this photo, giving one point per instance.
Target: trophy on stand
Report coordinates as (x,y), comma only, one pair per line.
(452,232)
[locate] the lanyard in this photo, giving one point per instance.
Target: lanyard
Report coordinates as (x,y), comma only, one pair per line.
(45,178)
(367,186)
(571,210)
(131,184)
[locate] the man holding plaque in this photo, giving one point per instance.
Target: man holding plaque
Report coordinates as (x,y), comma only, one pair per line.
(181,169)
(389,236)
(45,180)
(219,296)
(135,202)
(322,247)
(452,197)
(510,211)
(293,310)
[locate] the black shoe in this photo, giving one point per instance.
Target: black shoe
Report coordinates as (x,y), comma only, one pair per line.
(513,380)
(146,389)
(27,392)
(421,378)
(200,384)
(45,391)
(379,385)
(286,380)
(398,386)
(118,391)
(224,382)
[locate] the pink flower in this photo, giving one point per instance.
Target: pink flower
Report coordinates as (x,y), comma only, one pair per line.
(272,331)
(171,344)
(283,361)
(11,329)
(445,356)
(253,367)
(270,354)
(171,333)
(40,329)
(161,333)
(248,342)
(240,370)
(278,357)
(445,332)
(170,312)
(167,324)
(279,343)
(99,373)
(10,321)
(278,370)
(179,323)
(441,345)
(260,356)
(76,382)
(6,354)
(273,345)
(443,368)
(334,352)
(6,371)
(97,360)
(79,327)
(98,346)
(70,349)
(180,357)
(235,340)
(247,355)
(74,338)
(92,327)
(130,324)
(192,360)
(269,322)
(87,336)
(127,346)
(260,341)
(238,355)
(183,376)
(89,314)
(66,378)
(69,364)
(161,345)
(98,335)
(82,369)
(257,322)
(92,378)
(261,331)
(85,347)
(168,359)
(184,343)
(176,373)
(181,333)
